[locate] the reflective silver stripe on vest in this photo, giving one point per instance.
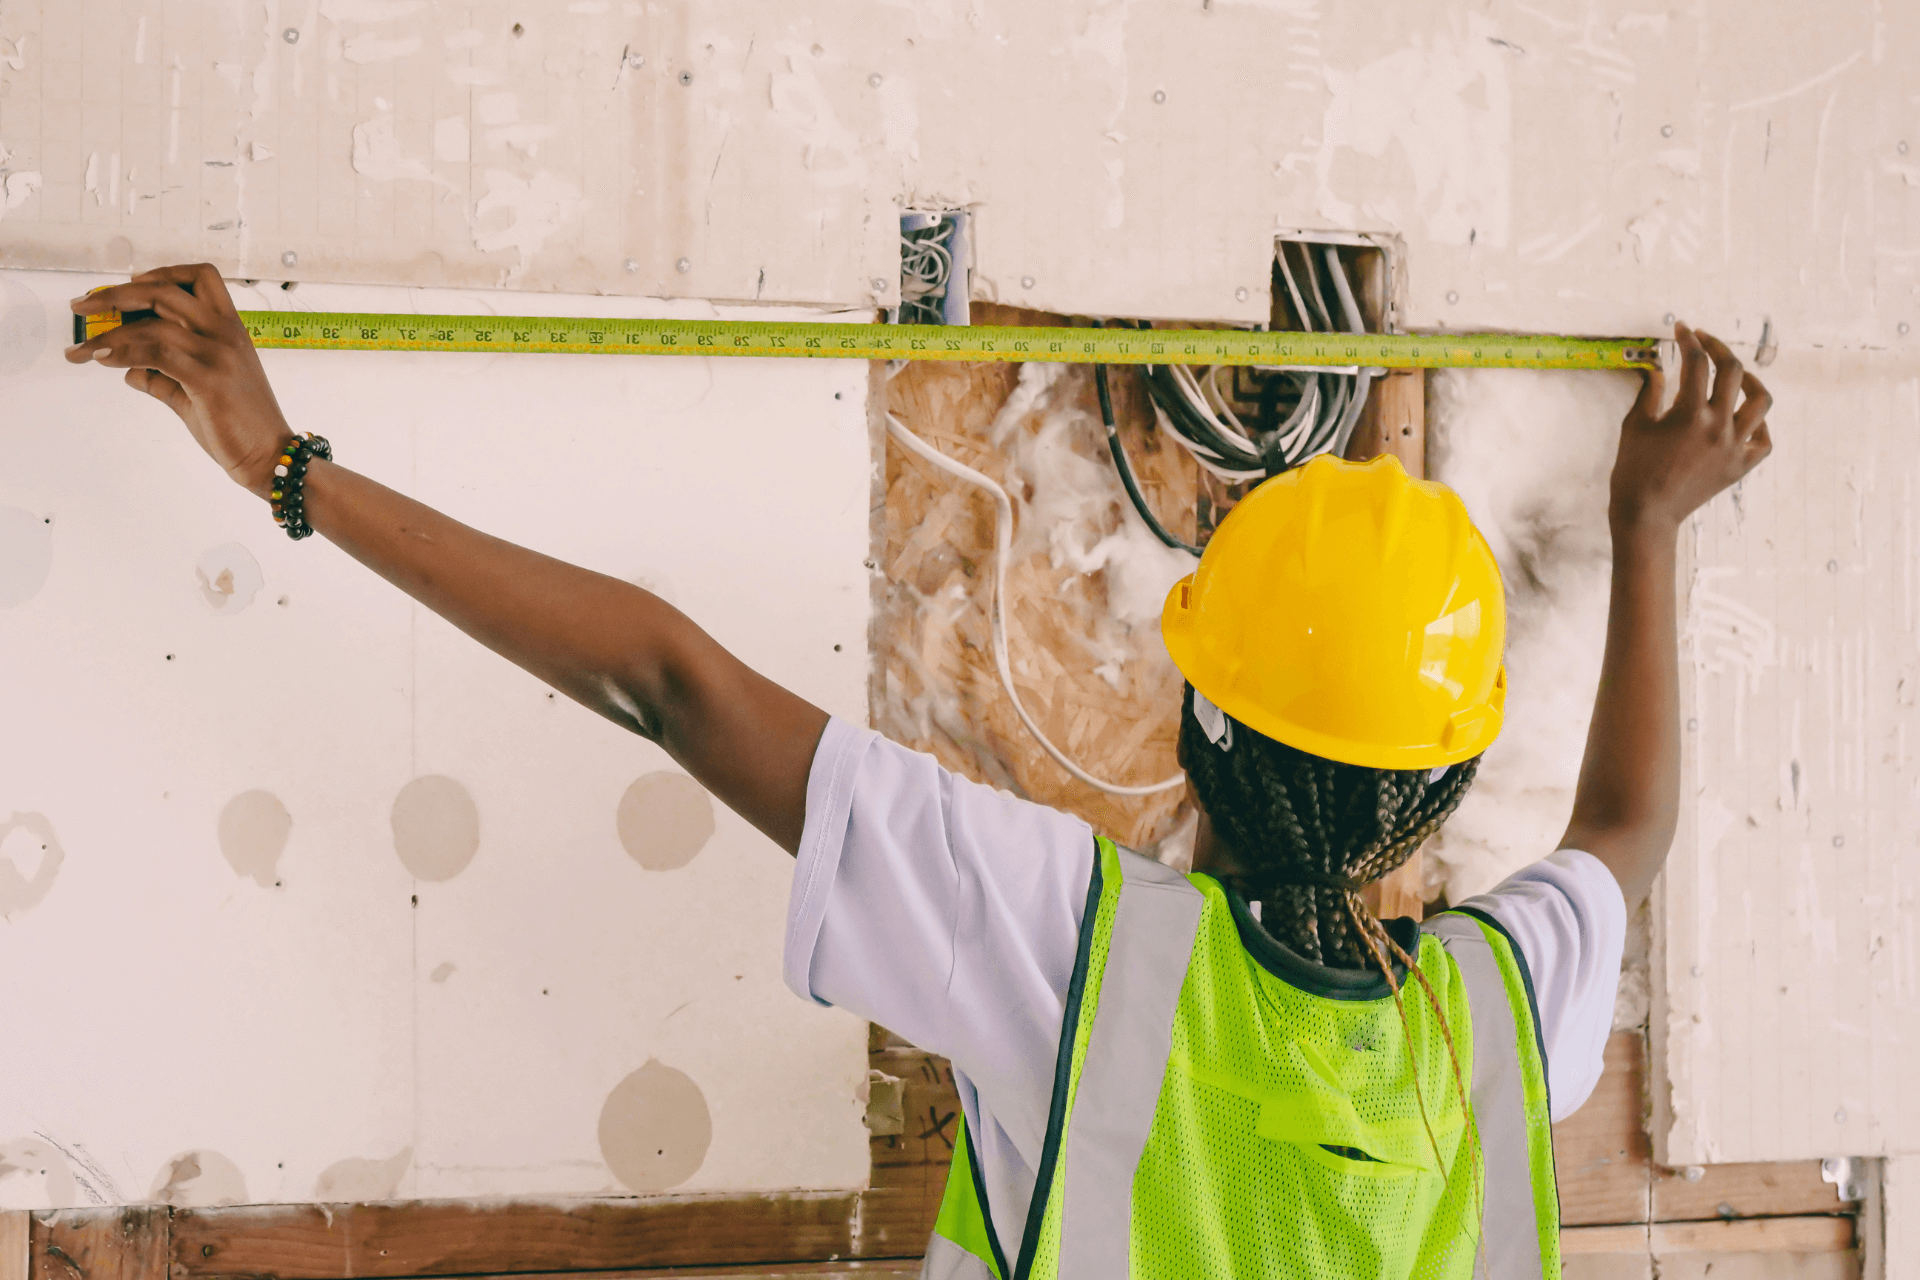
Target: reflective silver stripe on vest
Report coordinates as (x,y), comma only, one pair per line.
(1147,960)
(948,1261)
(1510,1234)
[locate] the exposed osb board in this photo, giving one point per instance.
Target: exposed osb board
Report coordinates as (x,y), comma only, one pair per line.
(939,690)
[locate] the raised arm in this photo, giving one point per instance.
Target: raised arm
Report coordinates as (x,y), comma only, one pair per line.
(1670,464)
(617,649)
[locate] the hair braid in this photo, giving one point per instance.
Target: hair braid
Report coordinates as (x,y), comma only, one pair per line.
(1301,827)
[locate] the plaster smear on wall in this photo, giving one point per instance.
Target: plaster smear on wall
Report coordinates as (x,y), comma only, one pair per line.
(1448,108)
(1530,453)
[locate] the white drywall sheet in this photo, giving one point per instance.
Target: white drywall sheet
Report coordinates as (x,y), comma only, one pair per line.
(209,779)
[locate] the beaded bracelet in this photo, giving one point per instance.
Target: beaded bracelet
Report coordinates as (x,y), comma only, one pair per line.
(289,471)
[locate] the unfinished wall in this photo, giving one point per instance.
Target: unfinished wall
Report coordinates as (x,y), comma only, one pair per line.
(1577,165)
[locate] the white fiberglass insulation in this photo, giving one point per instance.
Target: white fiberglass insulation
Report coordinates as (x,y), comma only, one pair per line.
(1530,454)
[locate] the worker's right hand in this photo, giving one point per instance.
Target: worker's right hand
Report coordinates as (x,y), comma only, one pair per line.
(195,357)
(1670,464)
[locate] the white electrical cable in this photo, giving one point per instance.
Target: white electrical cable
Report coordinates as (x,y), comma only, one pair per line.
(1002,553)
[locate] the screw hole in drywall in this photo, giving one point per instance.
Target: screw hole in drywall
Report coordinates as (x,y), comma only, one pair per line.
(518,31)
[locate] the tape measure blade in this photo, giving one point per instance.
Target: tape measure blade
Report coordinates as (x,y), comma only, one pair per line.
(1324,352)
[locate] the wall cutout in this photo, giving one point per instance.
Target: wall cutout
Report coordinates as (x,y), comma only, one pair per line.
(436,827)
(356,1180)
(30,858)
(664,819)
(34,1175)
(229,577)
(23,327)
(253,835)
(199,1180)
(655,1128)
(26,555)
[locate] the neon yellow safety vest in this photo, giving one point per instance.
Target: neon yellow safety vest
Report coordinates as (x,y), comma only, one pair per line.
(1223,1108)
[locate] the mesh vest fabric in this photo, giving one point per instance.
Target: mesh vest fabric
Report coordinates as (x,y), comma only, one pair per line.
(1288,1138)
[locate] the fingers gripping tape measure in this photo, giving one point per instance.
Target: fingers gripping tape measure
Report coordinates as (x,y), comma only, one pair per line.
(345,331)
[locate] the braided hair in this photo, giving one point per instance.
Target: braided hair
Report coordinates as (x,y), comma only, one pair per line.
(1308,833)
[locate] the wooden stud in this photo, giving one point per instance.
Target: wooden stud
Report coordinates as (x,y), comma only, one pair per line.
(1601,1150)
(1806,1235)
(15,1244)
(339,1242)
(127,1243)
(1395,422)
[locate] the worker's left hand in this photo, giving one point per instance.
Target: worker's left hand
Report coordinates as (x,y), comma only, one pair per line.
(194,356)
(1670,464)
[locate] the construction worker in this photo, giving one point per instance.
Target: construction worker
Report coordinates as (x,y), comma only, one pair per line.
(1236,1072)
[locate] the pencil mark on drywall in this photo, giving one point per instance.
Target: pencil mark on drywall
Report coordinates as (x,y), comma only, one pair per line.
(358,1179)
(655,1128)
(199,1180)
(23,327)
(96,1182)
(229,577)
(26,555)
(253,834)
(664,819)
(34,1175)
(436,827)
(30,858)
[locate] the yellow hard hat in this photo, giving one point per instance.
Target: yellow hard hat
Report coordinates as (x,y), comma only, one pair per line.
(1350,612)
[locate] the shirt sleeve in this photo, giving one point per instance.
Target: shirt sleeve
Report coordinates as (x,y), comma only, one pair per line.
(1568,918)
(947,911)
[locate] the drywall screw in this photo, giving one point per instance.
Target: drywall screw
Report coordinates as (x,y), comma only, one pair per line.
(1840,1116)
(631,266)
(686,77)
(1693,1173)
(874,80)
(1839,842)
(1159,95)
(1901,148)
(1667,319)
(289,258)
(1026,282)
(1833,566)
(683,266)
(1902,328)
(1240,294)
(1452,296)
(636,60)
(1693,724)
(291,35)
(879,284)
(1666,131)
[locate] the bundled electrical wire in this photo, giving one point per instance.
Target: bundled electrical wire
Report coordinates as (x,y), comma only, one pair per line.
(1296,414)
(926,268)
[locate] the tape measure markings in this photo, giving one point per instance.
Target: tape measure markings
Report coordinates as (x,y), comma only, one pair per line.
(343,331)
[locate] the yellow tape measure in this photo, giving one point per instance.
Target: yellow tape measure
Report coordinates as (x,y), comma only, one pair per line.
(345,331)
